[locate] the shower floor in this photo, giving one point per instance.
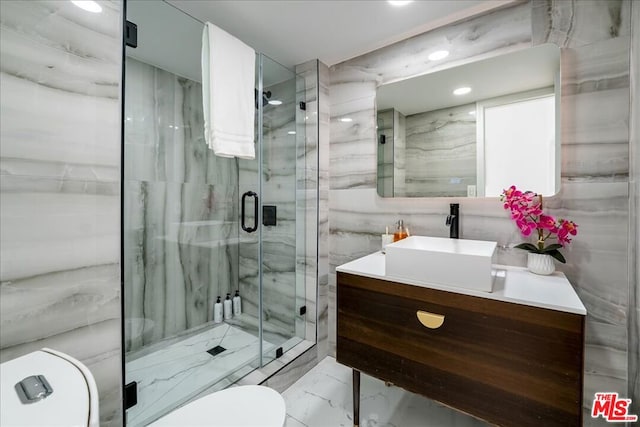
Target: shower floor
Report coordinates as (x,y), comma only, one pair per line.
(172,375)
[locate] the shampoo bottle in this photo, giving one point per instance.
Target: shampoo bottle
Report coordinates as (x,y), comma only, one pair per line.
(237,304)
(227,307)
(217,311)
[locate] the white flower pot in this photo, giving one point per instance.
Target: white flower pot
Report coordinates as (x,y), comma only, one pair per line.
(540,264)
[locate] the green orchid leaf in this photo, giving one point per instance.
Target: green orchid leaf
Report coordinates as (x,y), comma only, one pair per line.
(528,247)
(557,255)
(550,248)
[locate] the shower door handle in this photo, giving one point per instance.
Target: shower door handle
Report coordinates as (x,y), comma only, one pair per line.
(255,212)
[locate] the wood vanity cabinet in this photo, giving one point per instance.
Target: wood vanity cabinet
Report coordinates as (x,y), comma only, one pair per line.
(509,364)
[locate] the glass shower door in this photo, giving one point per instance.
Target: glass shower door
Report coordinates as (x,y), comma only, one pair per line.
(282,183)
(182,236)
(197,226)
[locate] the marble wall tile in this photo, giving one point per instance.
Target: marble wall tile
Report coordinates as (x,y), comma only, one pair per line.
(181,217)
(353,158)
(307,188)
(595,168)
(486,38)
(634,222)
(60,70)
(574,24)
(66,48)
(323,209)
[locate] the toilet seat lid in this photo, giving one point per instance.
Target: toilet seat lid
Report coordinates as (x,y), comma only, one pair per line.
(68,405)
(249,406)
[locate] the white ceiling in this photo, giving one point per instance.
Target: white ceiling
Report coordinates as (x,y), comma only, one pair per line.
(295,31)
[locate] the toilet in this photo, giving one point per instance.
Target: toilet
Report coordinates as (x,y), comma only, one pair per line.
(47,387)
(246,406)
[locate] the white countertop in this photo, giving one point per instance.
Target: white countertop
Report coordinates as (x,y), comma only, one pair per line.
(512,284)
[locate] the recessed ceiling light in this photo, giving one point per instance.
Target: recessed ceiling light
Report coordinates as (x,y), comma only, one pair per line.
(399,2)
(292,132)
(438,55)
(346,119)
(88,5)
(473,112)
(275,102)
(462,91)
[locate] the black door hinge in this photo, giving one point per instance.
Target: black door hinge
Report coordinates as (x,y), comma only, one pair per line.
(303,310)
(303,106)
(131,34)
(279,352)
(130,395)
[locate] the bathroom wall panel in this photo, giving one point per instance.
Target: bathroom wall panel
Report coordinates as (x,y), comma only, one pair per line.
(576,24)
(181,238)
(598,66)
(585,122)
(62,135)
(594,192)
(353,157)
(59,193)
(307,198)
(323,208)
(634,188)
(500,31)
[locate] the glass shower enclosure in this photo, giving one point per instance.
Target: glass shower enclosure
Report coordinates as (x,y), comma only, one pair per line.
(197,227)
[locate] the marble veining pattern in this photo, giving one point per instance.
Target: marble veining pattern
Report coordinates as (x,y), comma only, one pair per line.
(170,376)
(283,245)
(322,398)
(634,247)
(60,70)
(181,218)
(440,152)
(323,209)
(595,160)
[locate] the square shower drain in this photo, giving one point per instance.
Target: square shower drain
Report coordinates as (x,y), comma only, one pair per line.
(216,350)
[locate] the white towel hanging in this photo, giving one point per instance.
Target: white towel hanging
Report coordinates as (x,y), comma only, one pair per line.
(228,80)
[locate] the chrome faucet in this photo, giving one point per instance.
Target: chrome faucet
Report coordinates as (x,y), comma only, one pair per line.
(453,220)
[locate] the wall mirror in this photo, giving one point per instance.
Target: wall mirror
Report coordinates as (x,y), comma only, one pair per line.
(502,130)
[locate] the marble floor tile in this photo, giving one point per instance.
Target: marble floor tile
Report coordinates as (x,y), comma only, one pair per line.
(322,398)
(169,377)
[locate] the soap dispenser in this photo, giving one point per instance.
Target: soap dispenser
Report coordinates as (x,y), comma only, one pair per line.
(400,232)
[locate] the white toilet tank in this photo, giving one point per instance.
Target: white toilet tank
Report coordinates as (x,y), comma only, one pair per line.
(70,389)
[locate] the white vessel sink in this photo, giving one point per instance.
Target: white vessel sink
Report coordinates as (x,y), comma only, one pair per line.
(435,260)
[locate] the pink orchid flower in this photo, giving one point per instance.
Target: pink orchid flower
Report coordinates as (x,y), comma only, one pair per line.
(526,211)
(547,222)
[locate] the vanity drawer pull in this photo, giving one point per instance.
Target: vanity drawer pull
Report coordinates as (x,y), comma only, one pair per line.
(430,320)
